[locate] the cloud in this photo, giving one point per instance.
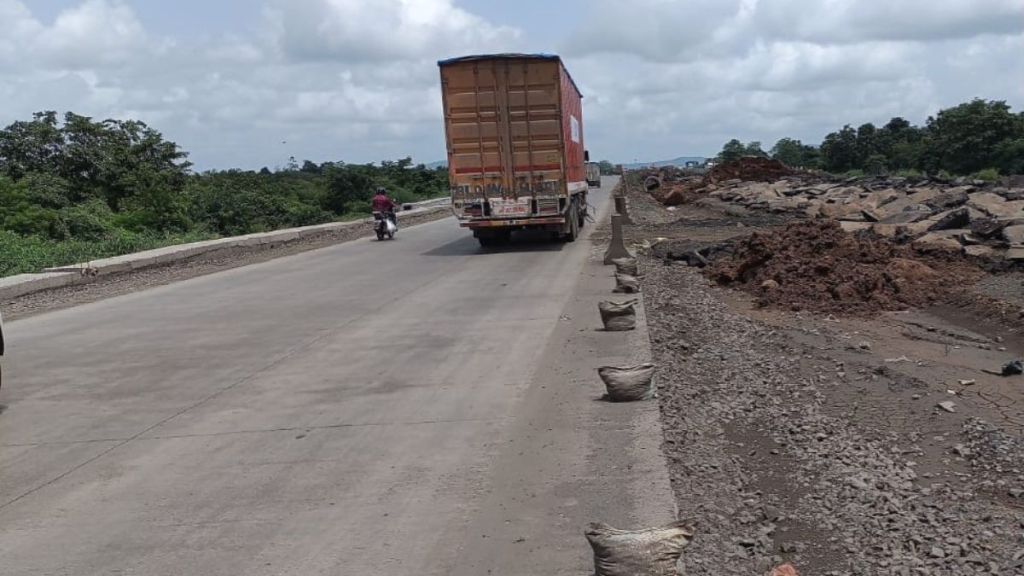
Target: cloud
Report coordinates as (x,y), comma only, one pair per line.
(357,80)
(672,31)
(336,79)
(96,33)
(657,30)
(846,21)
(383,30)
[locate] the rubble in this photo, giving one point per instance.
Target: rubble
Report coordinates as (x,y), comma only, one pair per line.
(975,213)
(816,265)
(749,169)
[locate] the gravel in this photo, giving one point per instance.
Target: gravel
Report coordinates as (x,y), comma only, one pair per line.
(767,455)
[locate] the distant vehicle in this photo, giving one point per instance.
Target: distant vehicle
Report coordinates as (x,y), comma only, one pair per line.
(593,174)
(514,131)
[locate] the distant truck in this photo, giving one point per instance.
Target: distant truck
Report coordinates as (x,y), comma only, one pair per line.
(514,131)
(593,174)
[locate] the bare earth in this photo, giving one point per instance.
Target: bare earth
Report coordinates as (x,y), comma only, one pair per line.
(818,439)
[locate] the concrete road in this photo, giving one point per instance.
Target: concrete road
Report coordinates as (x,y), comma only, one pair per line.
(409,407)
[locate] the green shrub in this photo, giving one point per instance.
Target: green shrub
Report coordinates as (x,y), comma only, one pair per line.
(909,173)
(91,221)
(73,189)
(25,254)
(988,175)
(876,165)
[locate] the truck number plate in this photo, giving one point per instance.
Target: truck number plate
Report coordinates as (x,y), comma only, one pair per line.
(512,208)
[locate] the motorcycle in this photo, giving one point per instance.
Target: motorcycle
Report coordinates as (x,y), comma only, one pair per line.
(385,225)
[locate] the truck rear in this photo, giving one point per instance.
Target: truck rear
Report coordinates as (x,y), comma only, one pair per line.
(514,132)
(593,174)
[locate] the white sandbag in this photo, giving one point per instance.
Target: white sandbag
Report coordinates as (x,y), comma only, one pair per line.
(392,228)
(628,384)
(626,284)
(626,266)
(651,552)
(618,316)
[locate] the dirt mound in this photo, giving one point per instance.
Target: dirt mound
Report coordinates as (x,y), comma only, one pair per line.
(749,169)
(817,266)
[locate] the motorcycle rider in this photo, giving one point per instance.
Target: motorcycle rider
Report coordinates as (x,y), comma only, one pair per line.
(382,204)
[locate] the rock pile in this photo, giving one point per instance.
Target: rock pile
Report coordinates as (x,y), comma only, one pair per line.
(816,265)
(749,169)
(980,219)
(673,186)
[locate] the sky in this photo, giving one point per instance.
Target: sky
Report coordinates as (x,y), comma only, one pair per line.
(251,83)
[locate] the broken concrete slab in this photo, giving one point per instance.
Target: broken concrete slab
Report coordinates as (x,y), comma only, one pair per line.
(871,214)
(936,241)
(885,230)
(854,226)
(957,218)
(908,216)
(839,211)
(949,199)
(987,202)
(979,251)
(987,227)
(920,197)
(880,198)
(1014,234)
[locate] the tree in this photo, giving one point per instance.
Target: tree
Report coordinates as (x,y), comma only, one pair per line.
(347,186)
(732,150)
(967,138)
(754,149)
(840,151)
(94,159)
(606,167)
(810,156)
(875,164)
(869,142)
(789,152)
(31,147)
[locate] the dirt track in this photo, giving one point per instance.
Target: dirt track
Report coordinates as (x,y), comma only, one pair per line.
(818,439)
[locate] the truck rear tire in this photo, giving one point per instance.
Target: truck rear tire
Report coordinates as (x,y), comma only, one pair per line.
(574,223)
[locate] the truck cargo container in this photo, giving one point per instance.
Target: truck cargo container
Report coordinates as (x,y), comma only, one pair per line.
(514,133)
(593,174)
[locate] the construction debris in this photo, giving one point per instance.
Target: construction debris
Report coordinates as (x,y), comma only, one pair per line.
(982,220)
(816,265)
(1014,368)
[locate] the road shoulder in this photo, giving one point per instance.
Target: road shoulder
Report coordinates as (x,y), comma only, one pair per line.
(572,458)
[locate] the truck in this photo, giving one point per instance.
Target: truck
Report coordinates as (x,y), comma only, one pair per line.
(514,133)
(593,174)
